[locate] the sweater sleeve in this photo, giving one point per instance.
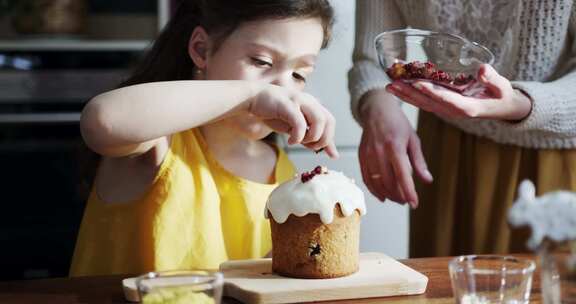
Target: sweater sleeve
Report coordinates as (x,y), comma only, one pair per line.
(372,18)
(553,107)
(554,102)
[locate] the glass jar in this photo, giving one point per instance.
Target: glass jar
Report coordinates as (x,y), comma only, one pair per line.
(558,273)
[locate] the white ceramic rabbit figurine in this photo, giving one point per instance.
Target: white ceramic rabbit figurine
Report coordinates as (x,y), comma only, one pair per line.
(552,215)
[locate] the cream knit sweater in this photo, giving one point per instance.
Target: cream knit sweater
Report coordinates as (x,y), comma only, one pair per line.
(534,42)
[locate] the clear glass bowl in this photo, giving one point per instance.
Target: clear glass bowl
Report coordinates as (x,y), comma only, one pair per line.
(480,279)
(450,53)
(182,286)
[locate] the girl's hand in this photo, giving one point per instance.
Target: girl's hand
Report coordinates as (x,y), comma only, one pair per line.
(389,150)
(296,113)
(503,102)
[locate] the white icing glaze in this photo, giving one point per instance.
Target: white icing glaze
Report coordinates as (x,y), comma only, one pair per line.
(318,195)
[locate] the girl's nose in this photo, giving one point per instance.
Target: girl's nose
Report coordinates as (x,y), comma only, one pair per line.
(283,80)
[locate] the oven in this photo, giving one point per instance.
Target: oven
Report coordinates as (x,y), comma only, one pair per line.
(49,68)
(41,97)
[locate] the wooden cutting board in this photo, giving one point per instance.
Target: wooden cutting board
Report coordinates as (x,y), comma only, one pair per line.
(252,281)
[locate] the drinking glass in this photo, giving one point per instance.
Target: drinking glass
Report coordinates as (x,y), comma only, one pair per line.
(482,279)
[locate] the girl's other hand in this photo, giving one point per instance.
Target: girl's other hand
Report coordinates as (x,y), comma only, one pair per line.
(503,101)
(296,113)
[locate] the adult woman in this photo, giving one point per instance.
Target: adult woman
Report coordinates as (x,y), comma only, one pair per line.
(477,154)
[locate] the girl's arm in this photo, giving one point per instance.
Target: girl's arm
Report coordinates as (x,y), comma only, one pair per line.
(131,120)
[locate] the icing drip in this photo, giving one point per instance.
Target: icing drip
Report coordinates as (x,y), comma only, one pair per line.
(318,195)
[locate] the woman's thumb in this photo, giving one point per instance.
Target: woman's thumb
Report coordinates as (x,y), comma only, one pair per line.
(488,76)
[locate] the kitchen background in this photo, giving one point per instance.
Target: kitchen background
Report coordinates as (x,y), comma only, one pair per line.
(55,55)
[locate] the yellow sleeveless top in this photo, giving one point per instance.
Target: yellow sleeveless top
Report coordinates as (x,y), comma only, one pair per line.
(196,214)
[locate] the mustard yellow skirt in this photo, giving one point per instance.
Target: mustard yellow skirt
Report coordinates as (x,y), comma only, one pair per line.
(475,182)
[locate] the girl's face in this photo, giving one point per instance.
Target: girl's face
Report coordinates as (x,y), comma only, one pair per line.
(280,52)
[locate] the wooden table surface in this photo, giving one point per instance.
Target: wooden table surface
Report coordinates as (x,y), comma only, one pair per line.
(108,289)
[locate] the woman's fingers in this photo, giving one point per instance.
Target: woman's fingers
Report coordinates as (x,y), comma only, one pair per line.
(388,182)
(492,80)
(383,174)
(375,169)
(414,97)
(408,94)
(366,158)
(403,172)
(417,159)
(439,100)
(449,103)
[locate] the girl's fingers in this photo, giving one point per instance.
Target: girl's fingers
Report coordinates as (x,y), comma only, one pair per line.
(329,148)
(331,151)
(331,133)
(327,137)
(277,125)
(316,119)
(291,114)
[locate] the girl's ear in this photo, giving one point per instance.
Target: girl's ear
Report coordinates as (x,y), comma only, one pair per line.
(198,47)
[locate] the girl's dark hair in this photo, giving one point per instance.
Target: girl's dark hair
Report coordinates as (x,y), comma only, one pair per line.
(168,58)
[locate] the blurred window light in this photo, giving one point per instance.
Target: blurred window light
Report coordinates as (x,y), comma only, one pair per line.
(21,63)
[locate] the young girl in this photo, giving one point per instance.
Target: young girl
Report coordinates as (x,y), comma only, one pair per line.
(185,174)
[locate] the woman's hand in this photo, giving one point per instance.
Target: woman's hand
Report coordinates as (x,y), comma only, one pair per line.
(502,102)
(389,150)
(296,113)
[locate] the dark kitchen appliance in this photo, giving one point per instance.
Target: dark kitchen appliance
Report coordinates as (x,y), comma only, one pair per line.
(45,82)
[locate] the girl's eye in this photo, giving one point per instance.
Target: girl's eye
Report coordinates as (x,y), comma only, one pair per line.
(261,63)
(299,77)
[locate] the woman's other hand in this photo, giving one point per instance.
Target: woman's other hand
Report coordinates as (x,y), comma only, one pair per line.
(389,150)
